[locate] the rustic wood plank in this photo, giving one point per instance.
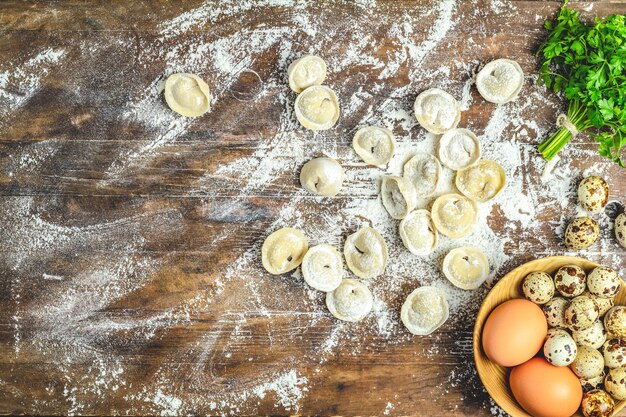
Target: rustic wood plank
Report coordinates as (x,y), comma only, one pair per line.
(130,237)
(192,169)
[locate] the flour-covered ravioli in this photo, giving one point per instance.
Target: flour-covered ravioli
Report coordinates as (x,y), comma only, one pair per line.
(437,111)
(187,94)
(418,233)
(322,267)
(283,250)
(424,310)
(306,71)
(350,301)
(459,149)
(467,267)
(481,182)
(317,108)
(322,176)
(375,145)
(398,196)
(500,81)
(366,253)
(424,171)
(454,215)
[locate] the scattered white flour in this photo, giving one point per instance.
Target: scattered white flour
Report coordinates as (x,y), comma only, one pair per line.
(207,13)
(438,31)
(231,309)
(169,405)
(501,6)
(288,388)
(21,81)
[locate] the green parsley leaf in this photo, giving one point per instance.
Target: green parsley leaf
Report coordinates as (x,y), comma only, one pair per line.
(588,63)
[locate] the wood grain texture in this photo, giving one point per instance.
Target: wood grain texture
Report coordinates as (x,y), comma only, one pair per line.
(509,287)
(130,281)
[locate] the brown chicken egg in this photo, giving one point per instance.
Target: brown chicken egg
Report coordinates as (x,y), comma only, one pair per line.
(544,390)
(514,332)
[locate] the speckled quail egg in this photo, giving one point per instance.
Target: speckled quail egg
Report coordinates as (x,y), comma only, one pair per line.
(589,363)
(581,233)
(604,304)
(615,322)
(554,310)
(592,383)
(620,229)
(538,287)
(614,353)
(593,336)
(580,313)
(555,330)
(603,282)
(593,193)
(570,281)
(560,349)
(615,383)
(597,403)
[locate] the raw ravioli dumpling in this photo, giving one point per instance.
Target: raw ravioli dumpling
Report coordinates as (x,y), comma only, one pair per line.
(481,182)
(283,250)
(459,149)
(350,301)
(366,253)
(317,108)
(322,176)
(500,81)
(454,215)
(306,71)
(467,267)
(424,310)
(423,170)
(322,267)
(375,145)
(418,233)
(398,196)
(437,111)
(187,94)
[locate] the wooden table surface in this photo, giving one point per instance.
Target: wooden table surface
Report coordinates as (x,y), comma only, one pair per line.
(129,237)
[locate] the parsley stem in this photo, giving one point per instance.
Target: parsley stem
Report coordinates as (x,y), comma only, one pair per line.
(577,115)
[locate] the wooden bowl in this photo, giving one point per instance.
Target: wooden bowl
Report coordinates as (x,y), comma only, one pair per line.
(495,377)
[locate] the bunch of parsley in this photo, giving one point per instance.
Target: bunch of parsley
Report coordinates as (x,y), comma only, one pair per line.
(588,64)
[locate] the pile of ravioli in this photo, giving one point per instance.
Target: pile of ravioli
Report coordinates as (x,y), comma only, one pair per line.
(453,215)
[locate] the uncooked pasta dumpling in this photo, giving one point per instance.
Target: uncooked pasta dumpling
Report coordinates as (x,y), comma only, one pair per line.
(317,108)
(350,301)
(398,196)
(418,233)
(466,268)
(322,267)
(375,145)
(187,94)
(437,111)
(423,170)
(283,250)
(482,181)
(306,71)
(458,149)
(366,253)
(454,215)
(500,81)
(424,310)
(322,176)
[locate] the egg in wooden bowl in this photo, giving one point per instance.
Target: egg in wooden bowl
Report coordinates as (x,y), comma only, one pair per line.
(525,381)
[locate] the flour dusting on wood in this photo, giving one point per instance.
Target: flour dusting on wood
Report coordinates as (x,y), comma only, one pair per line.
(125,295)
